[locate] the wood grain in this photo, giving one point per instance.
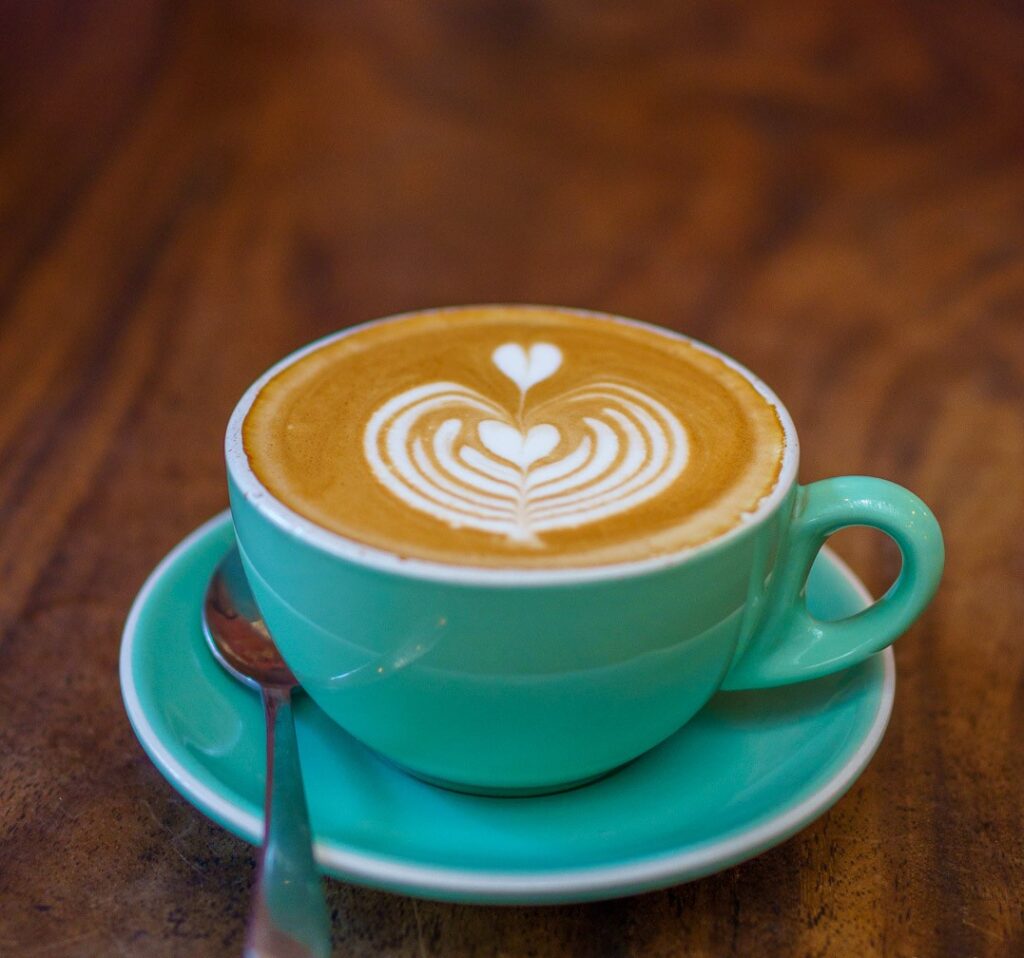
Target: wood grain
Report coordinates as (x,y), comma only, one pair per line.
(831,192)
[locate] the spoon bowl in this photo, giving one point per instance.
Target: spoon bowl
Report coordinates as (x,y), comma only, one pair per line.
(236,633)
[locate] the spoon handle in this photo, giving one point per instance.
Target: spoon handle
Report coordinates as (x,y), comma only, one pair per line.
(289,914)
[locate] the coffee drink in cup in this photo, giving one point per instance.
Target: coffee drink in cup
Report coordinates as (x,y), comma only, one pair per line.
(516,437)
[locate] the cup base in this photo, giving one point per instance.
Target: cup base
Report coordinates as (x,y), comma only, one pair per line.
(498,791)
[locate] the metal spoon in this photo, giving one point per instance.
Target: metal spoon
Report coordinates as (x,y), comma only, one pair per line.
(289,915)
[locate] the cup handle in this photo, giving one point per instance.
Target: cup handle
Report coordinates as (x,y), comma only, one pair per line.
(790,645)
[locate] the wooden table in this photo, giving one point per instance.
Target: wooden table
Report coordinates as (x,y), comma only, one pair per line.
(831,192)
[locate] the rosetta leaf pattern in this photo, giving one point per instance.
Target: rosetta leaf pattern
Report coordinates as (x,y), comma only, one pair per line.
(512,472)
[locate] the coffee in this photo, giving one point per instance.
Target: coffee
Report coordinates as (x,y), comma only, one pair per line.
(515,437)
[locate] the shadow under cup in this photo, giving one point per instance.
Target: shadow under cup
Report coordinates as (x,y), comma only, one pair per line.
(507,688)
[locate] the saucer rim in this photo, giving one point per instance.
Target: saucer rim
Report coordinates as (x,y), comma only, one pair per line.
(492,886)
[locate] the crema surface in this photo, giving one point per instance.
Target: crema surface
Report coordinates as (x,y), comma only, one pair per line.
(515,437)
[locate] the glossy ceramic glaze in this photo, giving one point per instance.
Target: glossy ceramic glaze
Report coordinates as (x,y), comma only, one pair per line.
(750,770)
(498,686)
(524,680)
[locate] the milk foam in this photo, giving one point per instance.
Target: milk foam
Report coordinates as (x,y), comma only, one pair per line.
(514,476)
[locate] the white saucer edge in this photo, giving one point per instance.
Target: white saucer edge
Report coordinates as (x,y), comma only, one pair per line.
(576,884)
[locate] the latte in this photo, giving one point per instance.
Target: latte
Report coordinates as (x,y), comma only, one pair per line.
(515,437)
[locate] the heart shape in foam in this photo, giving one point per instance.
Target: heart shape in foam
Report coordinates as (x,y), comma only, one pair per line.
(632,447)
(523,449)
(524,367)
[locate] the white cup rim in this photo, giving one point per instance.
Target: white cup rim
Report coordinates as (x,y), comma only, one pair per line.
(373,557)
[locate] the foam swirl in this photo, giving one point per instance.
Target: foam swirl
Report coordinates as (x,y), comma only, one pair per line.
(592,452)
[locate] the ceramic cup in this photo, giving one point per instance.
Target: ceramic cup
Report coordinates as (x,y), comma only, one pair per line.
(523,681)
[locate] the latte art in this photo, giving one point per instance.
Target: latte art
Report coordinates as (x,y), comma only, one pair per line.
(514,437)
(511,472)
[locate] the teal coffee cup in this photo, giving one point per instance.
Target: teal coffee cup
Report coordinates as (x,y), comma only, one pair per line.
(518,681)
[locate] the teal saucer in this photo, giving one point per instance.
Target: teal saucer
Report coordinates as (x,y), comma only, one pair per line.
(744,775)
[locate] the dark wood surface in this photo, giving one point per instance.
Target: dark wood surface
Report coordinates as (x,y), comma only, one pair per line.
(832,192)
